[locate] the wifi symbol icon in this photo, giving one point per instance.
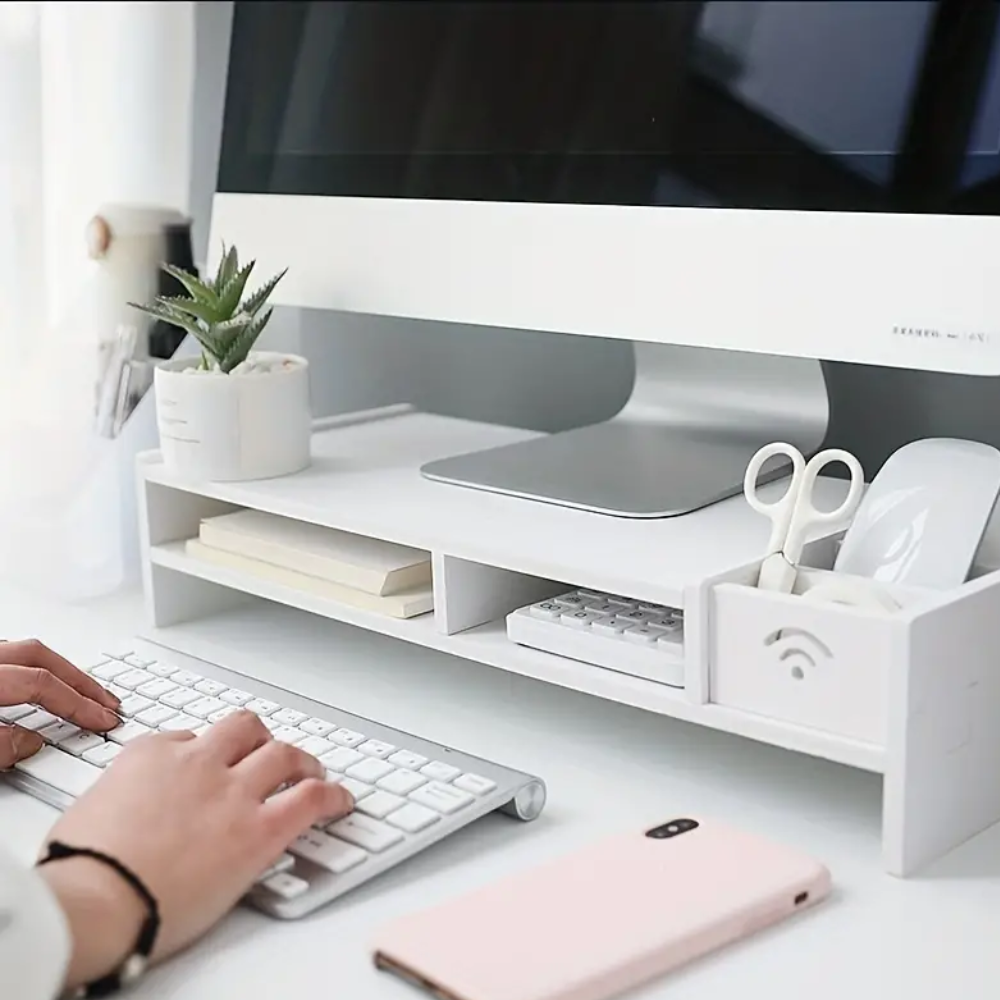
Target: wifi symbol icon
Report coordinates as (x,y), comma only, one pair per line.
(797,649)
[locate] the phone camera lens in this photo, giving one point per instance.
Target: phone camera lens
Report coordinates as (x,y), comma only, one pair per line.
(672,829)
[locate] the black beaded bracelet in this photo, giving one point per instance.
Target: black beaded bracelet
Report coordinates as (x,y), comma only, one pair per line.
(135,965)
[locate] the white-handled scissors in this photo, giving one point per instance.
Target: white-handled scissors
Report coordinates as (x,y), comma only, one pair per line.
(795,514)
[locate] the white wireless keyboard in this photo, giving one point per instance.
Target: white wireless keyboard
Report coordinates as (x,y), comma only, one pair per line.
(409,792)
(632,637)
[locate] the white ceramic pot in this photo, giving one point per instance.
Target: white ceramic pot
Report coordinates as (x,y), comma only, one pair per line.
(227,428)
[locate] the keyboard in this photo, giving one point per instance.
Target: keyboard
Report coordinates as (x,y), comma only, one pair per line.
(409,792)
(606,630)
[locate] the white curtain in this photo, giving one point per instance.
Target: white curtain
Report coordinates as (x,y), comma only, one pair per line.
(95,108)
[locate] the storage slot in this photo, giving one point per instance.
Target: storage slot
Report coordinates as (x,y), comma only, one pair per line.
(587,626)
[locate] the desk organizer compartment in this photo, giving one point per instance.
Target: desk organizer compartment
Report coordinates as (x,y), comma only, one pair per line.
(824,666)
(921,682)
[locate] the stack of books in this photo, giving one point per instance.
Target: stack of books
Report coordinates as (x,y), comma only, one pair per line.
(366,573)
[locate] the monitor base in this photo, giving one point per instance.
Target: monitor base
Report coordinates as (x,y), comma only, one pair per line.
(682,441)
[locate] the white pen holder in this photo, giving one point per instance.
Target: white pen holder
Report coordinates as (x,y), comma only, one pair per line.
(915,688)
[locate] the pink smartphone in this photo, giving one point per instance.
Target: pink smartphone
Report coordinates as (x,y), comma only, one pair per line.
(604,919)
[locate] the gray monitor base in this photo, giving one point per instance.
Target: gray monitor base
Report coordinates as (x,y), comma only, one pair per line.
(682,441)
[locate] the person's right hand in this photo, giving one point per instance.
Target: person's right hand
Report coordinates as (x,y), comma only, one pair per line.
(32,674)
(197,819)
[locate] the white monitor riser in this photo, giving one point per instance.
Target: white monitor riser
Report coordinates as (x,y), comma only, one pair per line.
(911,695)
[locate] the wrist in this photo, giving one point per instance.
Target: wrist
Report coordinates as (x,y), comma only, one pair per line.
(103,912)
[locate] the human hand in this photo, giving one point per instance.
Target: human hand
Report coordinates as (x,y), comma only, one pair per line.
(197,819)
(32,674)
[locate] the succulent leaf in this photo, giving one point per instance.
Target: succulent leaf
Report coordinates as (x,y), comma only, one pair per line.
(209,314)
(240,348)
(224,326)
(229,264)
(232,291)
(194,286)
(259,297)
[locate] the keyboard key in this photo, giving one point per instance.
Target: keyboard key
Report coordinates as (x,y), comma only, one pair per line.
(358,789)
(109,671)
(142,662)
(340,759)
(290,716)
(212,688)
(180,698)
(204,707)
(317,727)
(80,743)
(363,831)
(161,669)
(156,688)
(370,770)
(376,748)
(270,725)
(579,619)
(642,635)
(408,760)
(286,886)
(185,677)
(380,804)
(413,818)
(156,715)
(262,707)
(571,600)
(131,730)
(222,713)
(133,679)
(289,734)
(612,627)
(89,667)
(133,704)
(637,617)
(547,611)
(11,713)
(444,798)
(63,772)
(437,771)
(58,732)
(474,783)
(102,755)
(327,852)
(401,782)
(601,608)
(316,746)
(234,696)
(347,737)
(37,719)
(180,723)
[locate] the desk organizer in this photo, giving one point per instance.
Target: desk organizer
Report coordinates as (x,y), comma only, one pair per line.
(913,694)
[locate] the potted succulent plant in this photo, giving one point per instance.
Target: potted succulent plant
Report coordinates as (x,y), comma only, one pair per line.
(233,413)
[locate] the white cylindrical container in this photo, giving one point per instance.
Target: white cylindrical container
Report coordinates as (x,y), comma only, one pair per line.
(240,426)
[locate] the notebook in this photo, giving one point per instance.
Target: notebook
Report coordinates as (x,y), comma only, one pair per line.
(405,604)
(368,564)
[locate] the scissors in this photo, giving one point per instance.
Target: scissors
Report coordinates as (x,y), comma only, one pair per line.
(794,514)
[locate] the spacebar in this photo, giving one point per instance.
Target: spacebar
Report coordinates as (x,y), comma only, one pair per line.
(60,770)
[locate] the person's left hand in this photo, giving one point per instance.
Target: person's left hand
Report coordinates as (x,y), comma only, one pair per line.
(32,674)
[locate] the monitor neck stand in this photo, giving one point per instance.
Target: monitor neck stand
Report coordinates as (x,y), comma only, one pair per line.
(682,441)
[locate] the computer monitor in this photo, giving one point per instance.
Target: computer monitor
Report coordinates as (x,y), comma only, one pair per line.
(741,189)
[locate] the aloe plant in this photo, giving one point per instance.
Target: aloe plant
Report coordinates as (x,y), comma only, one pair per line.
(215,313)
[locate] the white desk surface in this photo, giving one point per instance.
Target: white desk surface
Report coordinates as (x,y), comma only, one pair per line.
(608,767)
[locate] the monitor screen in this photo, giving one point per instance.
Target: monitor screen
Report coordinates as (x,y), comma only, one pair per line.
(840,105)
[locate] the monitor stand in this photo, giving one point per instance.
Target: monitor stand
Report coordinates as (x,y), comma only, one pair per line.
(682,441)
